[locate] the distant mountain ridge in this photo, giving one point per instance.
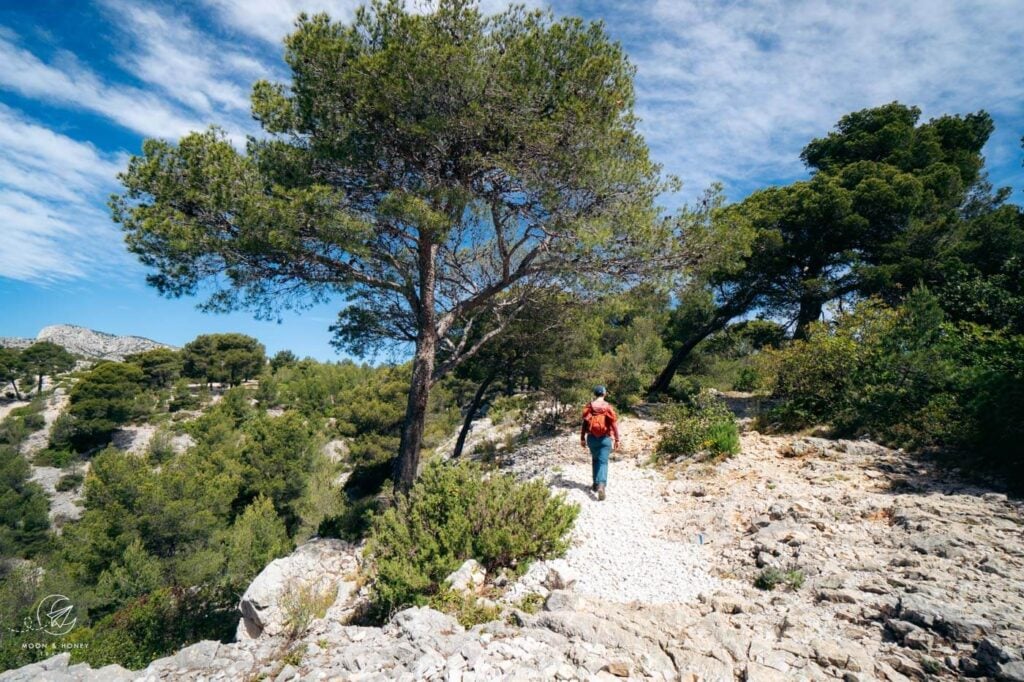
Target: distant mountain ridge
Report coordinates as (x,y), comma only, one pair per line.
(87,342)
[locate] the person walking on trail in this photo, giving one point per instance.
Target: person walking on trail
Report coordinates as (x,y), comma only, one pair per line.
(600,433)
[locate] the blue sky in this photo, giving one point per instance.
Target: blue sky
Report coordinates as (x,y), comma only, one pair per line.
(728,91)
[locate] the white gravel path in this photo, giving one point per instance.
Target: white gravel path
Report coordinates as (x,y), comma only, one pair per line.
(620,550)
(617,552)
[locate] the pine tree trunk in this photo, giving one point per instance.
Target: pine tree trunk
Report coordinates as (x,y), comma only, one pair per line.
(407,465)
(474,407)
(664,380)
(810,311)
(14,385)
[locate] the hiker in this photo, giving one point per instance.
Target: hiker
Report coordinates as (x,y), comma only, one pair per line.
(600,426)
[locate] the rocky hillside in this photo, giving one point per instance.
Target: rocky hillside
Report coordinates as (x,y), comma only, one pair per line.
(87,342)
(800,558)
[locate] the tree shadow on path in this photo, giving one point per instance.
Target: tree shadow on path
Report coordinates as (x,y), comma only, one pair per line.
(560,481)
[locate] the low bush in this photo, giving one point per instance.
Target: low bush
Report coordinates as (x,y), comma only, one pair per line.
(62,431)
(182,398)
(33,422)
(161,447)
(747,379)
(23,508)
(302,603)
(155,625)
(54,457)
(457,512)
(468,609)
(506,409)
(909,377)
(770,578)
(704,426)
(531,603)
(352,522)
(69,482)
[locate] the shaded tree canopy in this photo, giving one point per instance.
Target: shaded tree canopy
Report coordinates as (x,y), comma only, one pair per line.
(45,358)
(161,366)
(886,193)
(10,368)
(418,165)
(223,358)
(102,400)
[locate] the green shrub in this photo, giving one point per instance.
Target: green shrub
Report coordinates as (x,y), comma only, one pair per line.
(13,432)
(770,578)
(20,592)
(506,409)
(724,438)
(182,397)
(155,625)
(62,431)
(353,520)
(531,603)
(54,457)
(748,379)
(703,426)
(161,447)
(908,377)
(23,507)
(33,422)
(70,481)
(257,537)
(457,512)
(635,362)
(468,609)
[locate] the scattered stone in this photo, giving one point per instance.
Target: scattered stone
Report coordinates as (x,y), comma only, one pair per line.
(561,576)
(618,668)
(468,578)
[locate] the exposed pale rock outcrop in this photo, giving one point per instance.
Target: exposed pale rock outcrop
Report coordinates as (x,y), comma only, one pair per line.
(319,567)
(87,342)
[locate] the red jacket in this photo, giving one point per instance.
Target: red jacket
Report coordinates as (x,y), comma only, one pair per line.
(601,408)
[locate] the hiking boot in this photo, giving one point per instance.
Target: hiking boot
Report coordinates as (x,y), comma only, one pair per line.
(593,488)
(600,492)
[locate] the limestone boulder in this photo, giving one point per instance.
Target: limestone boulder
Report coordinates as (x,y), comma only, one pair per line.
(320,567)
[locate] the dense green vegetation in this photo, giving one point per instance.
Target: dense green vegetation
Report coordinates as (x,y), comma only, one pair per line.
(703,426)
(454,513)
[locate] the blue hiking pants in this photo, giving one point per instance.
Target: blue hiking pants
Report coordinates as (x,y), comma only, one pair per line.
(600,450)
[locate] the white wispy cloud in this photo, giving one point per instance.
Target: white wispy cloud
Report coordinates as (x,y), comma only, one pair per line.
(210,77)
(728,91)
(52,224)
(67,82)
(732,91)
(272,21)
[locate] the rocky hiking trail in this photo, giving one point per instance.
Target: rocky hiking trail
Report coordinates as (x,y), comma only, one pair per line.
(897,571)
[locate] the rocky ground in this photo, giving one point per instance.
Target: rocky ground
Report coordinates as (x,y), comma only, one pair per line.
(887,569)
